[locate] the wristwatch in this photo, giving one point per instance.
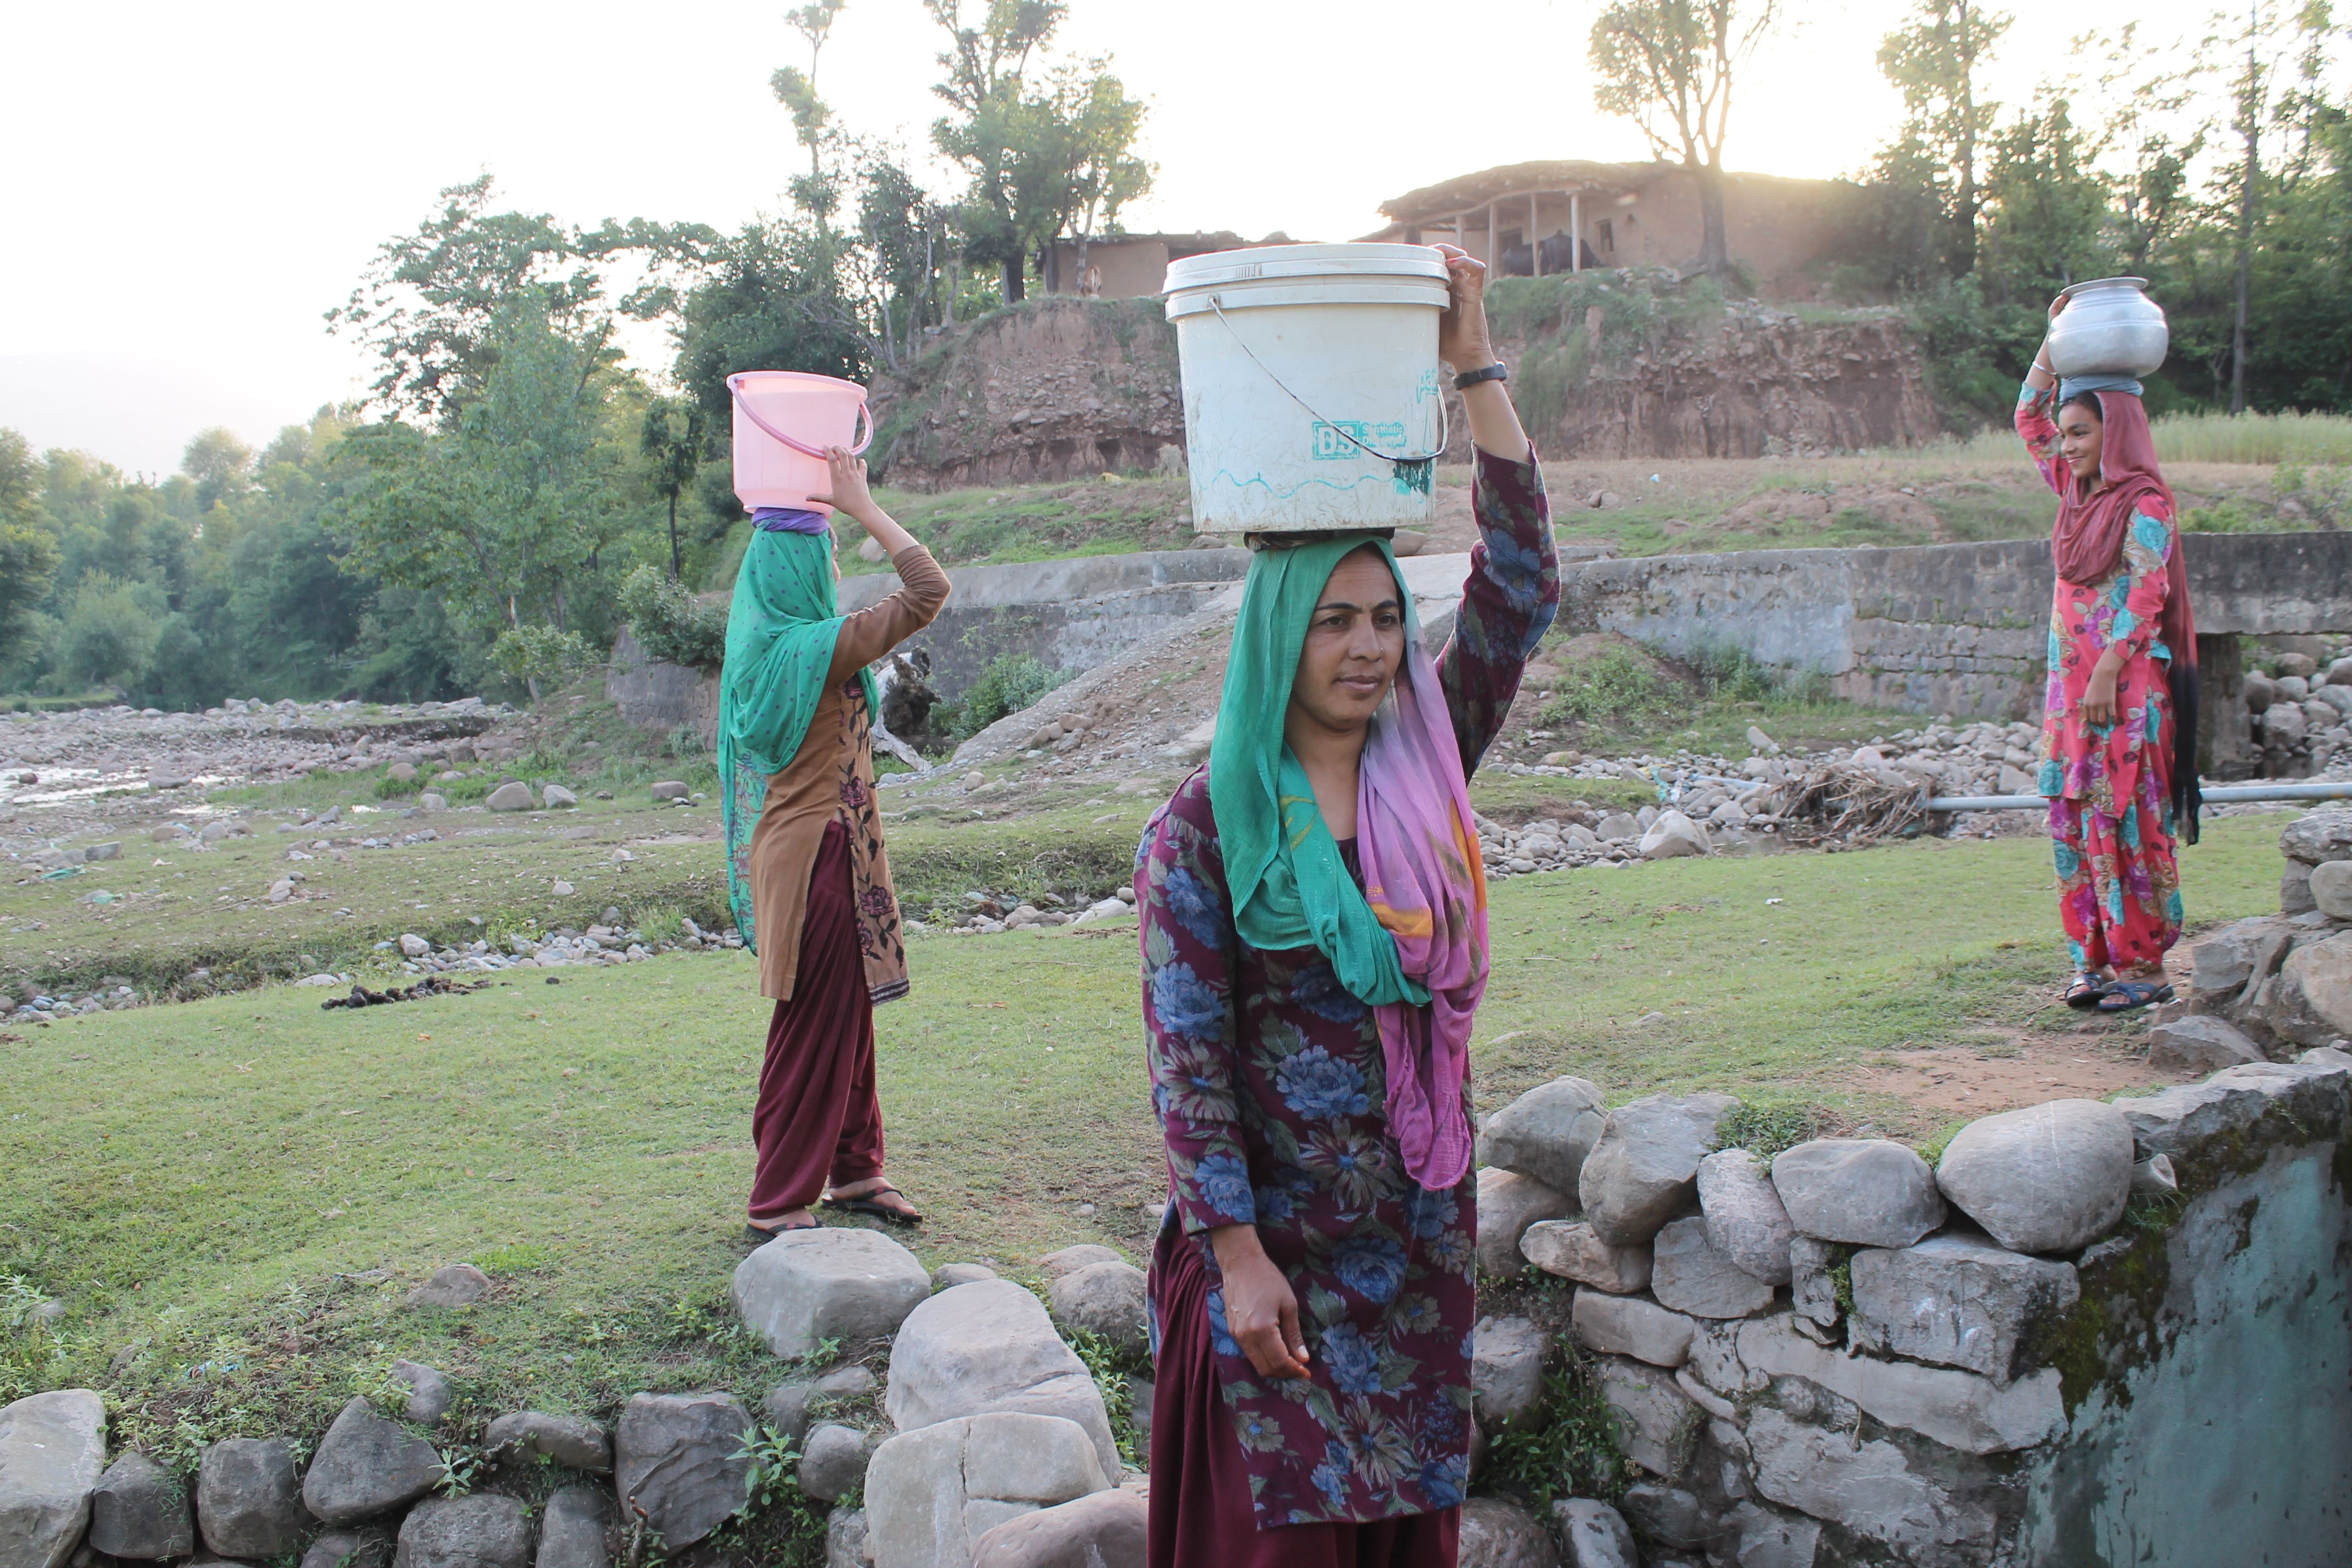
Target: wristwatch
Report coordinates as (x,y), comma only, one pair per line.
(1498,370)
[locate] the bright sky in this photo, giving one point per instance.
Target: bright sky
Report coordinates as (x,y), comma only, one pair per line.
(191,186)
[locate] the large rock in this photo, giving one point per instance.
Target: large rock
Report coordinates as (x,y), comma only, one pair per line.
(674,1457)
(1870,1192)
(1070,1259)
(989,1346)
(2331,885)
(348,1548)
(52,1452)
(482,1531)
(2192,1123)
(2200,1043)
(845,1544)
(566,1439)
(555,797)
(1867,1487)
(1101,1529)
(1962,1410)
(2048,1178)
(429,1395)
(1773,1538)
(2229,958)
(2314,993)
(1595,1534)
(1574,1250)
(1546,1133)
(2319,837)
(141,1511)
(1672,836)
(1645,1168)
(933,1493)
(2294,890)
(1656,1425)
(1106,1300)
(1669,1515)
(834,1462)
(365,1465)
(833,1282)
(790,1406)
(456,1284)
(571,1531)
(248,1503)
(1690,1274)
(1499,1534)
(511,796)
(1507,1371)
(1960,1301)
(1745,1218)
(1811,1288)
(1633,1326)
(1508,1203)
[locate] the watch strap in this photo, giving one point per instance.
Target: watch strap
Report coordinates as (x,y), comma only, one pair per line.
(1498,370)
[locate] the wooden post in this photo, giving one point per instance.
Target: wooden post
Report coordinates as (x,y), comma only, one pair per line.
(1576,233)
(1493,256)
(1535,239)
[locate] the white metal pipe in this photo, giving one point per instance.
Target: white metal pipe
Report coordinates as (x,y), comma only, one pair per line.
(2219,795)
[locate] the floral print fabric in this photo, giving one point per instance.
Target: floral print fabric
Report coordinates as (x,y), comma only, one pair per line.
(1269,1083)
(2109,785)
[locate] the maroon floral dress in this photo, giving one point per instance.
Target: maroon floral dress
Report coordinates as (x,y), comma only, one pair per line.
(1269,1083)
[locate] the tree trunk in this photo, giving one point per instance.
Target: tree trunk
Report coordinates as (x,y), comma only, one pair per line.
(1967,201)
(1714,243)
(1016,282)
(676,568)
(2252,110)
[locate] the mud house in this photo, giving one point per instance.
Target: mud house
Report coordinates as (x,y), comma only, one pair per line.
(1132,265)
(1566,215)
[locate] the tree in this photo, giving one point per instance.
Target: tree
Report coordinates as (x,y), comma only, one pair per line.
(220,464)
(501,513)
(1933,62)
(1670,67)
(430,301)
(671,438)
(772,299)
(110,630)
(819,191)
(905,232)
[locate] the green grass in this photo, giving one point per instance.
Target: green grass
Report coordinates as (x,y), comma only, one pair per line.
(234,1196)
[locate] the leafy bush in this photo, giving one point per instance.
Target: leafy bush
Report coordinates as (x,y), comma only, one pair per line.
(538,653)
(670,624)
(1615,685)
(1011,683)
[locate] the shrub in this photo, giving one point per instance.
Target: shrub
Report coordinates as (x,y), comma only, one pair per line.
(670,624)
(1618,683)
(1011,683)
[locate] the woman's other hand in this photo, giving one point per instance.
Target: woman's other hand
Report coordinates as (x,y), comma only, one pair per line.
(1261,1309)
(1461,338)
(2099,692)
(848,491)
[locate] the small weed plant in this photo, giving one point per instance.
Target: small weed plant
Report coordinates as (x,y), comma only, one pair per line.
(1011,683)
(1617,685)
(1764,1130)
(1109,1365)
(779,1523)
(1573,1449)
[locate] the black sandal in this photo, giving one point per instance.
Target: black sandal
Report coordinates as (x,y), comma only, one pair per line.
(864,1204)
(763,1233)
(2085,992)
(2125,994)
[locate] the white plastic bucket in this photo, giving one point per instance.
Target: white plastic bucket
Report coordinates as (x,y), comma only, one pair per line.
(785,420)
(1311,396)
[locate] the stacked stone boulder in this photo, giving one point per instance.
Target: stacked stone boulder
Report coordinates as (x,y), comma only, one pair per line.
(2268,987)
(1846,1354)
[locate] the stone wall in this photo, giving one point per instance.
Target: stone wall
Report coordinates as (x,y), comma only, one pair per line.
(658,696)
(1949,628)
(1073,614)
(2089,1335)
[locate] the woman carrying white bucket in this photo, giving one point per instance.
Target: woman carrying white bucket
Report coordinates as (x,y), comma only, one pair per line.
(806,874)
(1314,943)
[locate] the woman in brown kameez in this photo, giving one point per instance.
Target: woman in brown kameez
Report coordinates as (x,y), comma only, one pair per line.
(806,871)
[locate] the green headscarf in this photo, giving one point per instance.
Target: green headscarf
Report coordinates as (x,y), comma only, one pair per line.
(780,632)
(1289,888)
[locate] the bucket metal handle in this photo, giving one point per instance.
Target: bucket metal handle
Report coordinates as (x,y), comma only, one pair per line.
(864,418)
(1445,414)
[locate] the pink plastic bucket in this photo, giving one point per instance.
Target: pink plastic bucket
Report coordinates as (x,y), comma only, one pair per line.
(783,422)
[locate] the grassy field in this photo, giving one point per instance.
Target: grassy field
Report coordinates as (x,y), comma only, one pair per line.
(233,1197)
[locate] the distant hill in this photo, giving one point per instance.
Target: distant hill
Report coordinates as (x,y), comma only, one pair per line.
(135,413)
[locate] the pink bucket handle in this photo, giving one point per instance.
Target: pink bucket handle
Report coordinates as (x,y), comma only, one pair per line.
(865,420)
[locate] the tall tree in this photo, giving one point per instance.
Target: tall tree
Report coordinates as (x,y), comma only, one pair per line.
(819,191)
(906,231)
(1933,60)
(672,438)
(28,552)
(221,464)
(1672,67)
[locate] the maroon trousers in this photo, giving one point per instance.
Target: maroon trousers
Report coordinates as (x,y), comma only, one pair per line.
(1201,1515)
(817,1117)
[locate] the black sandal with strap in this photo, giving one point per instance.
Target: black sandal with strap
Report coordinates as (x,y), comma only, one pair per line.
(2085,992)
(763,1233)
(2125,994)
(864,1204)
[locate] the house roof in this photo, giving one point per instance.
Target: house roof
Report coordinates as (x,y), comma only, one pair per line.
(1467,193)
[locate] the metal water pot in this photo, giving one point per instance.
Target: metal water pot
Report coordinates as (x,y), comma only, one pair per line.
(2109,327)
